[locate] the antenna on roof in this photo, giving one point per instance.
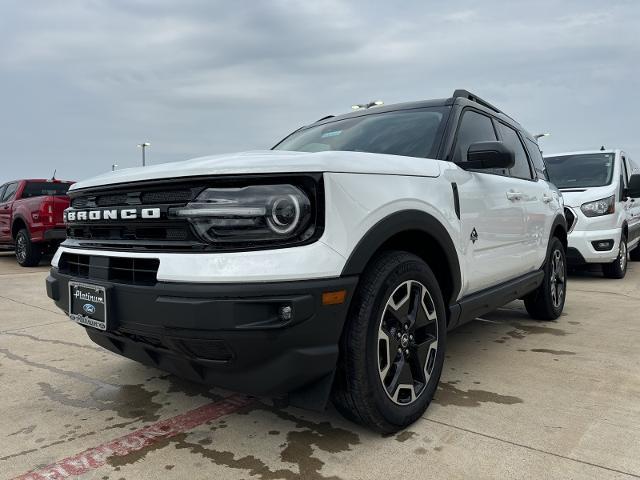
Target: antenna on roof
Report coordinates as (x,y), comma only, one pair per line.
(53,177)
(602,149)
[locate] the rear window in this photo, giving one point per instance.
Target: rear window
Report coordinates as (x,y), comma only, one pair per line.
(39,189)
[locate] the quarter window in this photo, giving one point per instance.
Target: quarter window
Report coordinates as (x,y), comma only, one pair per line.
(510,137)
(474,127)
(536,158)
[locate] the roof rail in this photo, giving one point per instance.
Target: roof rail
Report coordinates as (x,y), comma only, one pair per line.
(461,93)
(324,118)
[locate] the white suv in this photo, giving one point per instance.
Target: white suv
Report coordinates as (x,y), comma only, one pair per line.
(331,266)
(601,191)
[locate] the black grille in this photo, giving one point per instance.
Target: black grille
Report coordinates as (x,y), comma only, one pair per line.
(571,218)
(132,232)
(133,198)
(165,232)
(138,271)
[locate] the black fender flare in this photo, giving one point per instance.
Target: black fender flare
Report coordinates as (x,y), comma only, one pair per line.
(399,222)
(559,221)
(13,223)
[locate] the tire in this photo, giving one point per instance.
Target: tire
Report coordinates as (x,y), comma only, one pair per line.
(617,268)
(383,303)
(28,253)
(547,301)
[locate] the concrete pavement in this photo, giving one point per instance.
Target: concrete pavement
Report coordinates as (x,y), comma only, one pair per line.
(518,399)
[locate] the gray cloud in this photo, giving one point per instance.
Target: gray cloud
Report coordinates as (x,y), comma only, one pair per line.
(82,82)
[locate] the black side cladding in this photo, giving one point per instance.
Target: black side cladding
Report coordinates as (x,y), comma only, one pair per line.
(456,199)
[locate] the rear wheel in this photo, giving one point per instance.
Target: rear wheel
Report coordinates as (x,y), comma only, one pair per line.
(28,253)
(618,268)
(392,350)
(547,301)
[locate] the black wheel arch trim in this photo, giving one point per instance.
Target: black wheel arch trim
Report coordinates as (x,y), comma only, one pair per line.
(559,221)
(15,231)
(399,222)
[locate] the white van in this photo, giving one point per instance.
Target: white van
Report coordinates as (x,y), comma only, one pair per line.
(601,190)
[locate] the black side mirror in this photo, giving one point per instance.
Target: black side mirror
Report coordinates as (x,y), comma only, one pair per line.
(633,187)
(481,155)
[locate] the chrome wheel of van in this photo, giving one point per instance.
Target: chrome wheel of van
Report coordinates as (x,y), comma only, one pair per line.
(622,256)
(407,342)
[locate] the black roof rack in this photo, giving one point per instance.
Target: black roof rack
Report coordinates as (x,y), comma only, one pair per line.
(324,118)
(460,93)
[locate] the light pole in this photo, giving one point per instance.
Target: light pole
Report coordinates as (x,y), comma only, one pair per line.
(114,166)
(143,146)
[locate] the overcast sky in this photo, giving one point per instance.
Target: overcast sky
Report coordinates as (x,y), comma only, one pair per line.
(83,81)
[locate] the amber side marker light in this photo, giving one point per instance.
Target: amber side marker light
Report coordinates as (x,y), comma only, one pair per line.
(334,298)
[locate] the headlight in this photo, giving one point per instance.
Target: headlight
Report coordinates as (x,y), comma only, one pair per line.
(604,206)
(255,214)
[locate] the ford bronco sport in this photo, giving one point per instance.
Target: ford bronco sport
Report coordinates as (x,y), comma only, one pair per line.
(331,266)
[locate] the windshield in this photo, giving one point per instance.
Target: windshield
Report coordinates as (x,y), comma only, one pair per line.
(37,189)
(580,171)
(413,133)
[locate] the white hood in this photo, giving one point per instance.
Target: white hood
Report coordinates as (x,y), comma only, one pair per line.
(272,161)
(575,197)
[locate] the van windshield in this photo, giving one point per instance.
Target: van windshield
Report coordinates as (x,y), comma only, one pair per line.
(413,133)
(580,171)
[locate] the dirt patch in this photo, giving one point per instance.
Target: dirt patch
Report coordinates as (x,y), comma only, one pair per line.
(449,394)
(552,352)
(406,435)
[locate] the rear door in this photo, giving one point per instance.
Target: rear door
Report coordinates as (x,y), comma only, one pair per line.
(493,230)
(6,202)
(540,203)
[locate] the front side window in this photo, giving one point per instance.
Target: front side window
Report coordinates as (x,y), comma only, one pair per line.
(511,139)
(412,133)
(581,170)
(9,192)
(38,189)
(474,127)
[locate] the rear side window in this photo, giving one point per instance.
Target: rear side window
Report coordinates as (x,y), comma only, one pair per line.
(9,192)
(39,189)
(510,137)
(474,127)
(536,158)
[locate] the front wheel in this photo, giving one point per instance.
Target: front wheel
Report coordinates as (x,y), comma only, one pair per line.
(618,268)
(392,349)
(28,253)
(547,301)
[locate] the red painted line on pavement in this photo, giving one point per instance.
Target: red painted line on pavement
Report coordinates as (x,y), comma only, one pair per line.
(96,457)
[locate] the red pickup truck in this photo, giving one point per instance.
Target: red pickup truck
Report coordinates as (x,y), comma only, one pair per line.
(31,214)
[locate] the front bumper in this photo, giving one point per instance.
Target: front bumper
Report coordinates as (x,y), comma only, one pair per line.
(228,335)
(582,242)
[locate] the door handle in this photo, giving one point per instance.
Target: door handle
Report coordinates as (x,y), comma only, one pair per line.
(514,196)
(547,198)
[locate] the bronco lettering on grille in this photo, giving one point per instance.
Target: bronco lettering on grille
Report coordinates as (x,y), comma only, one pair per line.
(111,214)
